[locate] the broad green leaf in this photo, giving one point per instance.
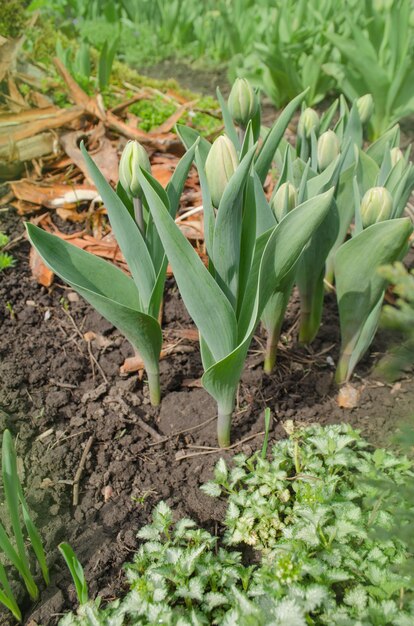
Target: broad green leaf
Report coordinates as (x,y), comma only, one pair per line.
(207,305)
(126,232)
(389,139)
(109,290)
(208,210)
(229,127)
(310,273)
(176,184)
(227,230)
(287,242)
(358,282)
(267,152)
(367,335)
(189,137)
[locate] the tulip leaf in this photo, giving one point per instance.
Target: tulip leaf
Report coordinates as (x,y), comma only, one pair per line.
(206,303)
(390,139)
(230,129)
(189,137)
(108,289)
(267,152)
(359,285)
(310,274)
(208,211)
(227,230)
(176,184)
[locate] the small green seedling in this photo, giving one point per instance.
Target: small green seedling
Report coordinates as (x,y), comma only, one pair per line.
(76,571)
(6,259)
(12,544)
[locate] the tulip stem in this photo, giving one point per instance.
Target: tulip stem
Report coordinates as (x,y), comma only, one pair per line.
(223,427)
(154,387)
(272,341)
(342,375)
(139,215)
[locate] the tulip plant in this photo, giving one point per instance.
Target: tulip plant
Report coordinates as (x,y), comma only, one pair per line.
(250,254)
(131,304)
(380,237)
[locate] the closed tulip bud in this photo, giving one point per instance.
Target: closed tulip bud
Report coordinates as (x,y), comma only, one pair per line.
(376,206)
(365,106)
(396,155)
(284,200)
(133,157)
(243,102)
(328,149)
(221,163)
(308,122)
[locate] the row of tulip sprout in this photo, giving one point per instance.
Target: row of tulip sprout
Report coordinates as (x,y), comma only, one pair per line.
(335,216)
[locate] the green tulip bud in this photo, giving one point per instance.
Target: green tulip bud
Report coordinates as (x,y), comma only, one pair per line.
(365,106)
(133,157)
(284,200)
(376,206)
(396,155)
(221,163)
(243,102)
(328,149)
(308,122)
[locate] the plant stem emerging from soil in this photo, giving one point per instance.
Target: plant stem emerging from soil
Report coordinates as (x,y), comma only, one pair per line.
(154,387)
(271,348)
(223,427)
(342,375)
(139,216)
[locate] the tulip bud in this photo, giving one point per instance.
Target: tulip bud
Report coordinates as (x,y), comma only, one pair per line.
(328,149)
(243,102)
(396,155)
(284,200)
(365,106)
(221,163)
(308,122)
(376,206)
(133,157)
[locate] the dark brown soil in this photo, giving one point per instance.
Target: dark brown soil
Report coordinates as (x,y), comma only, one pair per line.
(57,390)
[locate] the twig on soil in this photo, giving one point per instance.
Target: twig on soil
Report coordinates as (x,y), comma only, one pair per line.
(76,480)
(146,427)
(88,343)
(180,456)
(181,432)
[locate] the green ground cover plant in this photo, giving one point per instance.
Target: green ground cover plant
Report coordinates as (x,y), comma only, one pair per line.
(6,259)
(308,511)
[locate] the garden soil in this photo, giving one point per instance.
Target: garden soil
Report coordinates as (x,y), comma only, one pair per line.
(61,390)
